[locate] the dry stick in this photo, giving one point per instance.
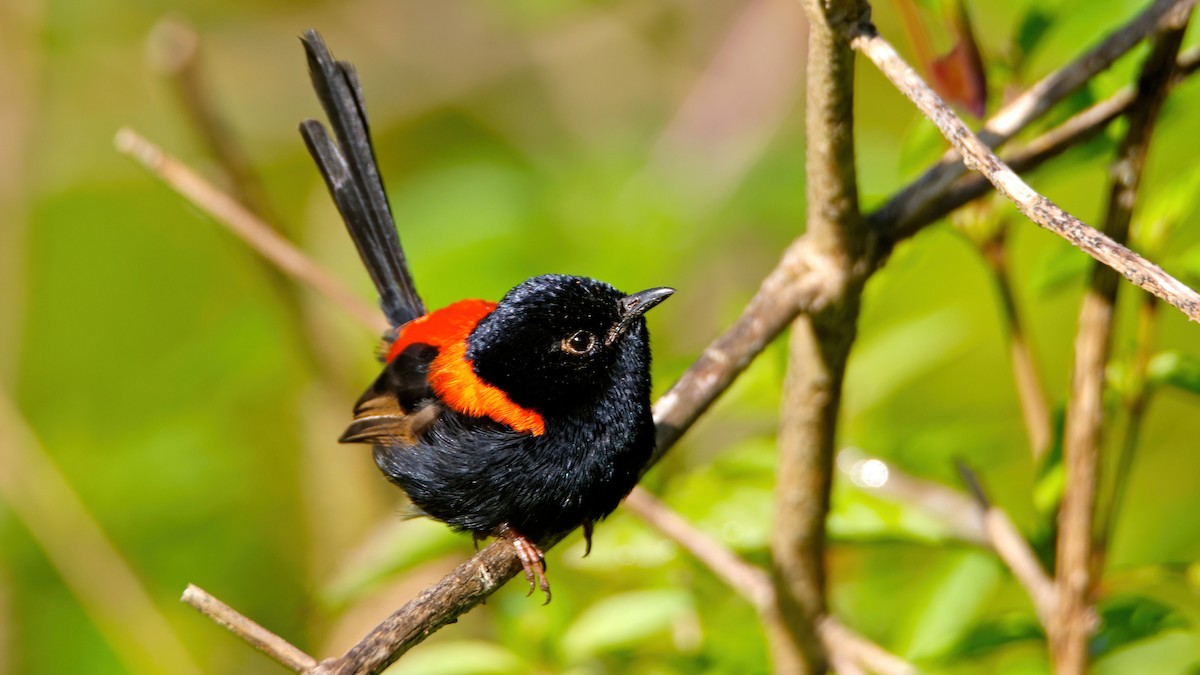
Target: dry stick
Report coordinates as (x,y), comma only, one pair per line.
(1076,130)
(755,586)
(174,50)
(257,636)
(1034,206)
(1022,110)
(107,589)
(750,582)
(245,225)
(819,346)
(1077,565)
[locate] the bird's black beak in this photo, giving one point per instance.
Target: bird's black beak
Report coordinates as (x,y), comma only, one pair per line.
(633,306)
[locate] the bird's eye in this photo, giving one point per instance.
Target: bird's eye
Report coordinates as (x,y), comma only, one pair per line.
(579,343)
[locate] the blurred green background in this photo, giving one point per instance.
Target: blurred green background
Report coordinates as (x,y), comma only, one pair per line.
(191,398)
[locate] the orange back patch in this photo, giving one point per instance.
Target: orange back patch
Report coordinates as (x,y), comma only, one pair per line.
(451,375)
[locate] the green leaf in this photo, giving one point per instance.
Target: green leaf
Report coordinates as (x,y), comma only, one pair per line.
(461,657)
(624,620)
(1176,369)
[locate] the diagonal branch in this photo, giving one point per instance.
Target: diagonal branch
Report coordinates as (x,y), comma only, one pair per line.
(1034,206)
(1018,113)
(1076,130)
(248,227)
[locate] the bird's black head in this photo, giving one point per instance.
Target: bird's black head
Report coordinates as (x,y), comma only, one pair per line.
(557,342)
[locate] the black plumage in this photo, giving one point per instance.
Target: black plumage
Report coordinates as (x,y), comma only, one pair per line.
(522,419)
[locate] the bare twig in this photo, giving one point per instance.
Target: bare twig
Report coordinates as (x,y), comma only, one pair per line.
(804,280)
(1022,110)
(258,637)
(1077,563)
(228,212)
(1076,130)
(1016,552)
(753,584)
(1034,206)
(109,591)
(961,515)
(174,49)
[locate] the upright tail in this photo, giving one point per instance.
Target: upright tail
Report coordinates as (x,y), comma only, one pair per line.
(352,174)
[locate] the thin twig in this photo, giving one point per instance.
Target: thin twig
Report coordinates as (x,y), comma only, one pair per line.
(1034,206)
(258,637)
(1012,547)
(464,588)
(1076,130)
(750,582)
(174,50)
(228,212)
(1078,564)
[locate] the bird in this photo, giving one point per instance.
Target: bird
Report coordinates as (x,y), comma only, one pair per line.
(520,419)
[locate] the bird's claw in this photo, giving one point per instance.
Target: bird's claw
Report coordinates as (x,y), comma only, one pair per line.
(534,563)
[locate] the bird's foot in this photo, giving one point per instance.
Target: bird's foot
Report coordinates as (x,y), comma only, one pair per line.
(532,560)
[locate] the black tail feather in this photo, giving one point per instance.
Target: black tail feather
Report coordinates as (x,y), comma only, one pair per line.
(352,174)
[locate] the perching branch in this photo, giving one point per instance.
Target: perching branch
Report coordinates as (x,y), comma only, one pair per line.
(1034,206)
(1077,564)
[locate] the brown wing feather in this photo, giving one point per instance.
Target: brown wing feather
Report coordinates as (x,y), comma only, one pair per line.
(399,405)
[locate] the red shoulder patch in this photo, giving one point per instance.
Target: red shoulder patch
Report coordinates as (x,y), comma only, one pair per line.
(451,374)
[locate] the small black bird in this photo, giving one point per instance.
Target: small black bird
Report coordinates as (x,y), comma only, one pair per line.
(520,419)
